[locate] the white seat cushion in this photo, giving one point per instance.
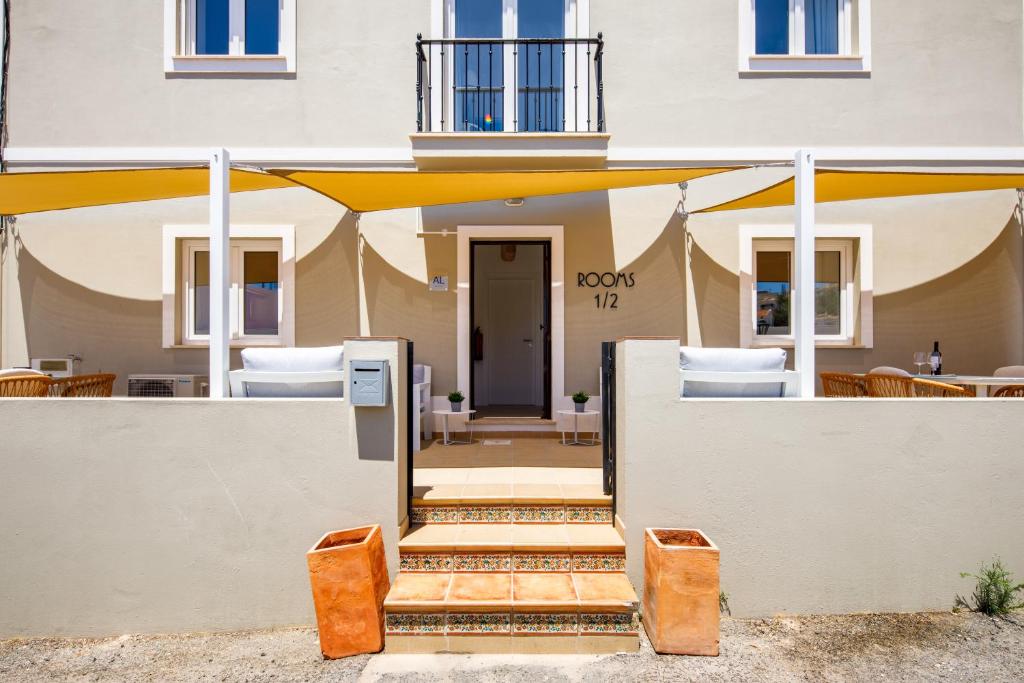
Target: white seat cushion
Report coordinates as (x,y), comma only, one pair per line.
(731,360)
(419,374)
(298,359)
(14,372)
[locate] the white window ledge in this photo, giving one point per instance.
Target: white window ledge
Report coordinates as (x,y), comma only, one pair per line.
(836,64)
(220,64)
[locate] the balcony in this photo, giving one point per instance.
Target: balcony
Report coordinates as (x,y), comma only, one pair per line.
(536,102)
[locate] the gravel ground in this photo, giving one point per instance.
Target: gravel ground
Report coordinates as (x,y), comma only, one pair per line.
(869,647)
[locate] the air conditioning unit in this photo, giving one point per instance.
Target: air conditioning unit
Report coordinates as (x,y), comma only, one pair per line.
(168,386)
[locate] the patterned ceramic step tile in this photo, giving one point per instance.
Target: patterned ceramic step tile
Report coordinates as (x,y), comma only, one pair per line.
(541,562)
(434,514)
(479,623)
(410,623)
(529,624)
(599,562)
(588,514)
(482,562)
(538,514)
(425,562)
(623,623)
(485,514)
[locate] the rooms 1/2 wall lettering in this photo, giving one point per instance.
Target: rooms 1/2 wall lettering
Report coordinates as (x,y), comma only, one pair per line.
(607,281)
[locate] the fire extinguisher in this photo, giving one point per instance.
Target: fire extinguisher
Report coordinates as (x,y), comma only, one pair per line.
(478,344)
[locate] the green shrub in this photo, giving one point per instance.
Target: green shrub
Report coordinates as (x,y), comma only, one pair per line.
(995,592)
(580,397)
(723,603)
(456,397)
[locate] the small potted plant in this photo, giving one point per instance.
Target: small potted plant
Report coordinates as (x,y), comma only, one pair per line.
(456,398)
(580,398)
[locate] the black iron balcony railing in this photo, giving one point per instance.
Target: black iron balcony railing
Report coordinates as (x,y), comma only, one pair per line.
(524,85)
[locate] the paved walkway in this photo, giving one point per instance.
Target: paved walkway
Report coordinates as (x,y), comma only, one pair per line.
(912,647)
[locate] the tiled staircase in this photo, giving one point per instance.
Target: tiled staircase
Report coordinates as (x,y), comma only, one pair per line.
(531,568)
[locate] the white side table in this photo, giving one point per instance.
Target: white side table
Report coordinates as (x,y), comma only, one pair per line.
(576,441)
(445,414)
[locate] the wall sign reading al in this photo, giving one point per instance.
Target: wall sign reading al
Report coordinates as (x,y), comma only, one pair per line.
(439,282)
(607,281)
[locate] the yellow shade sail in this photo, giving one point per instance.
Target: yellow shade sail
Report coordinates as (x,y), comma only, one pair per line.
(22,193)
(839,186)
(381,190)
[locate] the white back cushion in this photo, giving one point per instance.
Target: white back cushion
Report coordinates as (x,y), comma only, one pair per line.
(731,360)
(888,370)
(1010,371)
(15,372)
(298,359)
(419,374)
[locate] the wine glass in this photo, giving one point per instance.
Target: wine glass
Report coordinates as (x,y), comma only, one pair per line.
(920,359)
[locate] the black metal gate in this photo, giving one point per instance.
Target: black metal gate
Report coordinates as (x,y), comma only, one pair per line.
(608,417)
(412,430)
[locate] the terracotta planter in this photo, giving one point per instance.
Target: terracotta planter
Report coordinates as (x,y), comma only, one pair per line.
(681,591)
(349,577)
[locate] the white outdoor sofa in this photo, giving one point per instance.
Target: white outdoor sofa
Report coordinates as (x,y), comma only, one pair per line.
(735,373)
(317,372)
(310,372)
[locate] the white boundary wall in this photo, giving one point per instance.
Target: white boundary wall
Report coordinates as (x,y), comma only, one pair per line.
(163,515)
(821,506)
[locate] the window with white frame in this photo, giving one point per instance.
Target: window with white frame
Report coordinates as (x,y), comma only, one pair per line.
(256,291)
(843,310)
(230,35)
(805,35)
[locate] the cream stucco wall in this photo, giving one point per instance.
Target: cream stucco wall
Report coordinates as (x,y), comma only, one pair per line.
(155,515)
(91,74)
(820,506)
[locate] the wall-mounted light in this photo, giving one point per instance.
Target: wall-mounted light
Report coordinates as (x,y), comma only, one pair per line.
(515,202)
(508,253)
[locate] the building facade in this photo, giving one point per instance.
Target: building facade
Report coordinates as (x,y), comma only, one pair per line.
(509,300)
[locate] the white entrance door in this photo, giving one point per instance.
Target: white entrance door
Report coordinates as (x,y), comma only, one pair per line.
(514,328)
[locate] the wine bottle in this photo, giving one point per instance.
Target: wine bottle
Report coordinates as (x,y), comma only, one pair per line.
(936,360)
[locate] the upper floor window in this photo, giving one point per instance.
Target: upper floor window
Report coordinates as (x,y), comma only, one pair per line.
(805,35)
(230,35)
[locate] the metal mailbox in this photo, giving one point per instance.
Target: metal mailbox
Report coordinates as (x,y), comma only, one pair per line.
(369,383)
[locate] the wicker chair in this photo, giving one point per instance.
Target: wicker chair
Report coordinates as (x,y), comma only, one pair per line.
(1010,391)
(929,388)
(84,386)
(20,386)
(842,385)
(889,386)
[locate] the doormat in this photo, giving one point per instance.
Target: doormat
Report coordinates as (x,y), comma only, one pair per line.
(496,442)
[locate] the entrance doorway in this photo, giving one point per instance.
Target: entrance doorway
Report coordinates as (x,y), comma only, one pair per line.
(510,328)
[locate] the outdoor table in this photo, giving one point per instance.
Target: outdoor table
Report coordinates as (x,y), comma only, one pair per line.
(981,383)
(576,441)
(445,414)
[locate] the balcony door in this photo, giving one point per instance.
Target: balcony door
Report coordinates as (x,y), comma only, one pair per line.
(528,53)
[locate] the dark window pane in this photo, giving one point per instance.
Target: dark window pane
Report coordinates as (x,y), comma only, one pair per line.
(201,293)
(211,27)
(821,27)
(773,292)
(262,26)
(541,19)
(478,19)
(261,285)
(772,27)
(827,286)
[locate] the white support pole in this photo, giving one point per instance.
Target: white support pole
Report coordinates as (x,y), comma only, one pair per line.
(220,271)
(802,309)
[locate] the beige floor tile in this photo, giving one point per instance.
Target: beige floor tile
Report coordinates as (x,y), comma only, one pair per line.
(490,475)
(430,536)
(602,587)
(486,493)
(539,536)
(414,644)
(537,493)
(435,476)
(419,587)
(603,644)
(584,493)
(580,475)
(543,587)
(480,536)
(531,644)
(479,587)
(594,536)
(437,492)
